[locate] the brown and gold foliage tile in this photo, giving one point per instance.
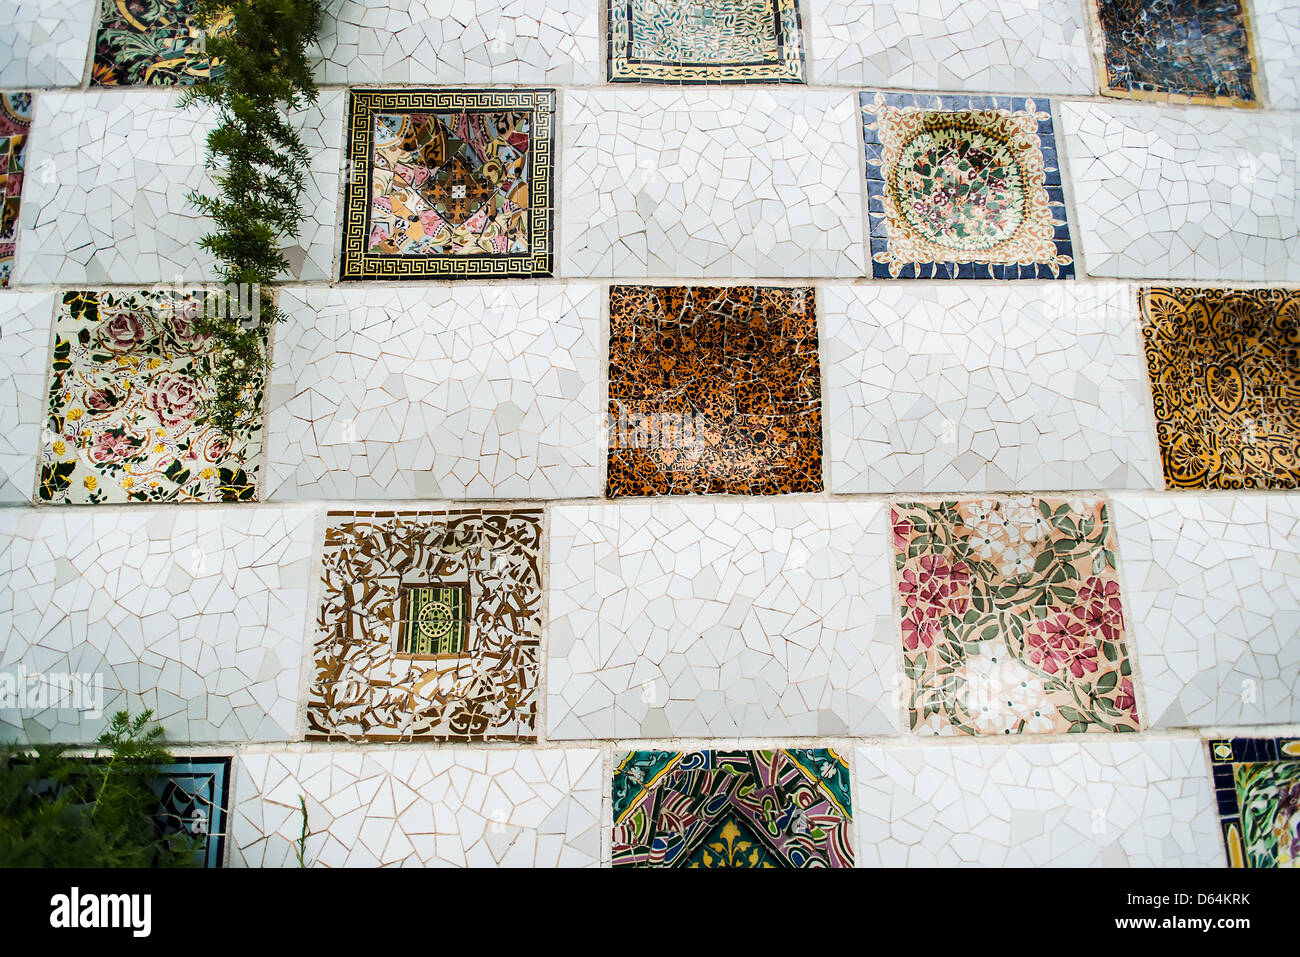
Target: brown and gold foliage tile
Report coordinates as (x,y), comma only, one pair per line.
(713,390)
(428,627)
(1225,376)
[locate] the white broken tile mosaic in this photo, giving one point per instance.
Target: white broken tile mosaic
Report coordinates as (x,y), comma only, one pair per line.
(436,391)
(471,41)
(702,619)
(975,46)
(44,42)
(1276,26)
(428,808)
(1107,803)
(25,321)
(1211,584)
(1202,193)
(197,614)
(964,387)
(697,182)
(108,176)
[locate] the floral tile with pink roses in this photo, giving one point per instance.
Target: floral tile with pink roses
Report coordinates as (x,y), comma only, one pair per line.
(125,419)
(1011,617)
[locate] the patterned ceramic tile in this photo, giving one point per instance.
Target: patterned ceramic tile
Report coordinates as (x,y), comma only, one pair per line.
(194,799)
(125,418)
(1190,50)
(1225,374)
(754,618)
(1277,31)
(365,686)
(448,184)
(15,121)
(1212,586)
(45,41)
(107,198)
(470,41)
(957,386)
(1011,617)
(713,389)
(698,41)
(1199,194)
(717,809)
(962,187)
(25,319)
(1106,803)
(1257,784)
(436,391)
(154,43)
(195,613)
(961,45)
(722,183)
(427,808)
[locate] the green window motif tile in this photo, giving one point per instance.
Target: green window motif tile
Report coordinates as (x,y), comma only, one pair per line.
(705,41)
(434,620)
(1257,785)
(154,43)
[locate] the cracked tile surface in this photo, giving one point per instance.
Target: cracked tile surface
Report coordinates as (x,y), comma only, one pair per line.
(109,176)
(1103,803)
(197,614)
(436,391)
(753,619)
(1277,31)
(1200,194)
(385,672)
(706,182)
(25,319)
(713,389)
(1212,585)
(154,43)
(965,387)
(479,41)
(419,808)
(45,41)
(961,45)
(1257,785)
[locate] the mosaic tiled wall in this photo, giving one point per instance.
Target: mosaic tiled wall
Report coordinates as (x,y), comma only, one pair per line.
(697,427)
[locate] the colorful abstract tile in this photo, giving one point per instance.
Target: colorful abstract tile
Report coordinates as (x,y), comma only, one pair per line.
(154,43)
(429,626)
(448,184)
(194,799)
(1011,617)
(125,419)
(1195,51)
(1225,376)
(964,187)
(15,121)
(774,809)
(1257,784)
(713,389)
(703,41)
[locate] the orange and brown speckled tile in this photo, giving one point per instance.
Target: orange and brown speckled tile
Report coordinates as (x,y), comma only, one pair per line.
(1011,617)
(1225,377)
(713,390)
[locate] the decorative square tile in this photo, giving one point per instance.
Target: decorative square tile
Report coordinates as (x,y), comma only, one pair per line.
(15,121)
(399,589)
(713,389)
(1225,374)
(698,41)
(1195,51)
(716,809)
(964,187)
(125,418)
(448,184)
(1257,785)
(194,799)
(45,42)
(154,43)
(1011,617)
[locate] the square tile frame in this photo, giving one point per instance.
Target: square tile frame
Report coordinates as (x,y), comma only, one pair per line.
(1233,758)
(205,782)
(788,67)
(356,263)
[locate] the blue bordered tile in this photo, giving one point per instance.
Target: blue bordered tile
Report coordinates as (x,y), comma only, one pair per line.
(1257,788)
(194,799)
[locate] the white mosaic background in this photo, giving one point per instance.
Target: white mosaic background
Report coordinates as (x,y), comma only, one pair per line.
(25,321)
(44,42)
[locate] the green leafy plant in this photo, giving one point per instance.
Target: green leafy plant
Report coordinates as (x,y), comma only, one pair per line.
(259,163)
(300,845)
(61,810)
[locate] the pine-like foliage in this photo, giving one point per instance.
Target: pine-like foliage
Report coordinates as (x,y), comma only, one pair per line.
(58,810)
(258,162)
